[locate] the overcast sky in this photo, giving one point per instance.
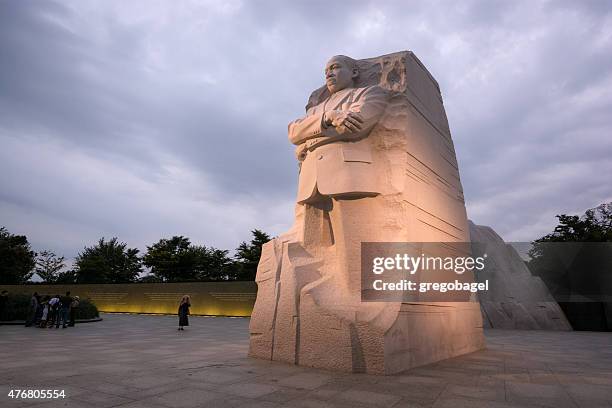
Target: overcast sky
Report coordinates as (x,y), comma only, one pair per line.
(147,119)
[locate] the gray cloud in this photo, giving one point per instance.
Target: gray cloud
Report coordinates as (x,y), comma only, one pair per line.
(146,119)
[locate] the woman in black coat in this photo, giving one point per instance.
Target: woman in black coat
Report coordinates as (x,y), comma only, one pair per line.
(183,312)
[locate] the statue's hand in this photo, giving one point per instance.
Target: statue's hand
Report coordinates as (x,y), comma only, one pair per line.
(301,151)
(343,121)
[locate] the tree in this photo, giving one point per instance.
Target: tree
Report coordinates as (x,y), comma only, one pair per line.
(49,266)
(17,260)
(171,260)
(594,226)
(247,255)
(177,260)
(149,279)
(576,272)
(214,264)
(108,262)
(67,277)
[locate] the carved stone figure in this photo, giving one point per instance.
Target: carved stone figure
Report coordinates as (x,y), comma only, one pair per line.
(337,129)
(377,164)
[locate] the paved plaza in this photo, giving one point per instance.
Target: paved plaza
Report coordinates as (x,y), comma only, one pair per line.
(143,361)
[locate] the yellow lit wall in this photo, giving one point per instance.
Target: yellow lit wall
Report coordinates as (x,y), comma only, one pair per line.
(207,298)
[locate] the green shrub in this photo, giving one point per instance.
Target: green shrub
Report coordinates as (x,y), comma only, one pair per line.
(18,308)
(87,310)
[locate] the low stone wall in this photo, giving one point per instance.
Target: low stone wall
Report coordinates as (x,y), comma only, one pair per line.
(207,298)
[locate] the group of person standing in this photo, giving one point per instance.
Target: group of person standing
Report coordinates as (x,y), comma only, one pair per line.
(49,311)
(52,310)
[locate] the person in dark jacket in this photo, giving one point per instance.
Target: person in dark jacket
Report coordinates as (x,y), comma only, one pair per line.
(73,310)
(183,312)
(3,304)
(33,309)
(64,311)
(39,311)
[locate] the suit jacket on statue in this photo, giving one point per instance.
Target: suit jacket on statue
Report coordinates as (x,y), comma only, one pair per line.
(334,161)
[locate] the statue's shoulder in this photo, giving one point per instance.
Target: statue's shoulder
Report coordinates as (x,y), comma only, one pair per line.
(373,91)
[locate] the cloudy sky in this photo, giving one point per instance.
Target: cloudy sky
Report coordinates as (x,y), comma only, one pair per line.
(147,119)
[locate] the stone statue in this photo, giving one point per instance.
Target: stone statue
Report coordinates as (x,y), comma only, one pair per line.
(336,172)
(377,164)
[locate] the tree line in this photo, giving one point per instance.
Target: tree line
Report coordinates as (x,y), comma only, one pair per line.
(173,259)
(579,276)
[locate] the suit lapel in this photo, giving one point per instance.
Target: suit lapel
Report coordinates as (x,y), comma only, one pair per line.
(336,100)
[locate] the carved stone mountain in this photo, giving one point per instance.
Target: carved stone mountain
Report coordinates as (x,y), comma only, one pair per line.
(516,299)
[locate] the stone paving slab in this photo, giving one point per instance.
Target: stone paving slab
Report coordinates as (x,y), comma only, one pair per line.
(132,361)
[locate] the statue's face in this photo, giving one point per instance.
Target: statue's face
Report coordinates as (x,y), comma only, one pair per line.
(338,75)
